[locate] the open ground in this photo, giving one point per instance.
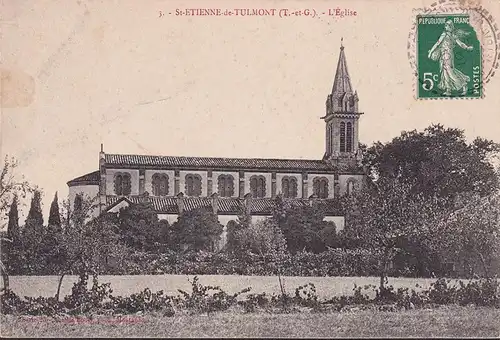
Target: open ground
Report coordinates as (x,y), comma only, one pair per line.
(449,321)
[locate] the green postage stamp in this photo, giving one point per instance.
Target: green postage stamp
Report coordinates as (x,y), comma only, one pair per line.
(449,62)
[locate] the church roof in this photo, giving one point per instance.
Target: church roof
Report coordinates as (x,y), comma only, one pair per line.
(226,205)
(91,178)
(342,81)
(211,163)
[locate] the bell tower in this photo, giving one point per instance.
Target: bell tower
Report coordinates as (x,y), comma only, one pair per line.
(342,118)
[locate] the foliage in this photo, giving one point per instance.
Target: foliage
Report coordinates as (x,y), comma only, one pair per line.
(54,215)
(145,301)
(472,233)
(13,232)
(138,226)
(436,162)
(34,221)
(82,300)
(208,299)
(306,295)
(233,243)
(301,226)
(12,251)
(386,215)
(253,302)
(197,229)
(10,186)
(263,238)
(334,262)
(201,301)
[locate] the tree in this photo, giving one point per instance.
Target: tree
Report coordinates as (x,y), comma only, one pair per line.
(79,211)
(13,226)
(436,162)
(34,221)
(139,226)
(197,229)
(328,235)
(301,226)
(54,215)
(473,234)
(32,236)
(13,249)
(87,243)
(263,238)
(384,215)
(233,229)
(10,186)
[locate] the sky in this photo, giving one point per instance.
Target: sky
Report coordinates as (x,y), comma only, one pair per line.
(76,74)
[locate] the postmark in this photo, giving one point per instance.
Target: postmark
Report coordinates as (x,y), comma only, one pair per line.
(453,49)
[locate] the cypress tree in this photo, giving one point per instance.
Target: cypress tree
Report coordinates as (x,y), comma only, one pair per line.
(34,220)
(54,217)
(78,217)
(13,226)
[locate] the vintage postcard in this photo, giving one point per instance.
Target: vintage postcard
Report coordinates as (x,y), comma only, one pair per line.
(250,168)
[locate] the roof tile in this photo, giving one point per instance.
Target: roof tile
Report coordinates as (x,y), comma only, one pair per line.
(90,178)
(209,162)
(226,205)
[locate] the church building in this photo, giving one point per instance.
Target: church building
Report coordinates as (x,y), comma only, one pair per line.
(226,185)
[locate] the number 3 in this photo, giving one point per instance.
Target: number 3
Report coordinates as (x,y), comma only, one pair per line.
(429,79)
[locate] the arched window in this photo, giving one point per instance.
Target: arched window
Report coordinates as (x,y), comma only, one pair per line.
(122,184)
(193,185)
(289,187)
(329,138)
(160,185)
(320,187)
(349,138)
(226,185)
(258,186)
(342,137)
(351,186)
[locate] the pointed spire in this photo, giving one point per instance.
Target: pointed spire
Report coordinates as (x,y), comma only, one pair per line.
(342,82)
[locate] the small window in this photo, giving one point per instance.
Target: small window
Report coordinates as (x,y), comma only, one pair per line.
(348,146)
(342,137)
(160,185)
(226,185)
(122,184)
(351,186)
(320,187)
(289,187)
(258,186)
(193,185)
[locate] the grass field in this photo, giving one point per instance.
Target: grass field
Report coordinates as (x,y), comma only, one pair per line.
(450,321)
(326,287)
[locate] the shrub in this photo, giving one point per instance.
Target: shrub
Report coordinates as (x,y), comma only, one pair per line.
(442,293)
(254,301)
(201,301)
(144,301)
(306,296)
(82,300)
(11,303)
(485,292)
(43,306)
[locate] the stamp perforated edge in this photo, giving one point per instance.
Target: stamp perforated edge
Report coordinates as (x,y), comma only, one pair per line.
(445,8)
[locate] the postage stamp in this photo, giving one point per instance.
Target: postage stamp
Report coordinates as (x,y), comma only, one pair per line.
(448,57)
(453,48)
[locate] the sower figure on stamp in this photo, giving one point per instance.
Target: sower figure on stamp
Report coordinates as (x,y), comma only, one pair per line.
(451,79)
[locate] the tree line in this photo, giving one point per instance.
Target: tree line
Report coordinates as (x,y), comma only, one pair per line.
(430,205)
